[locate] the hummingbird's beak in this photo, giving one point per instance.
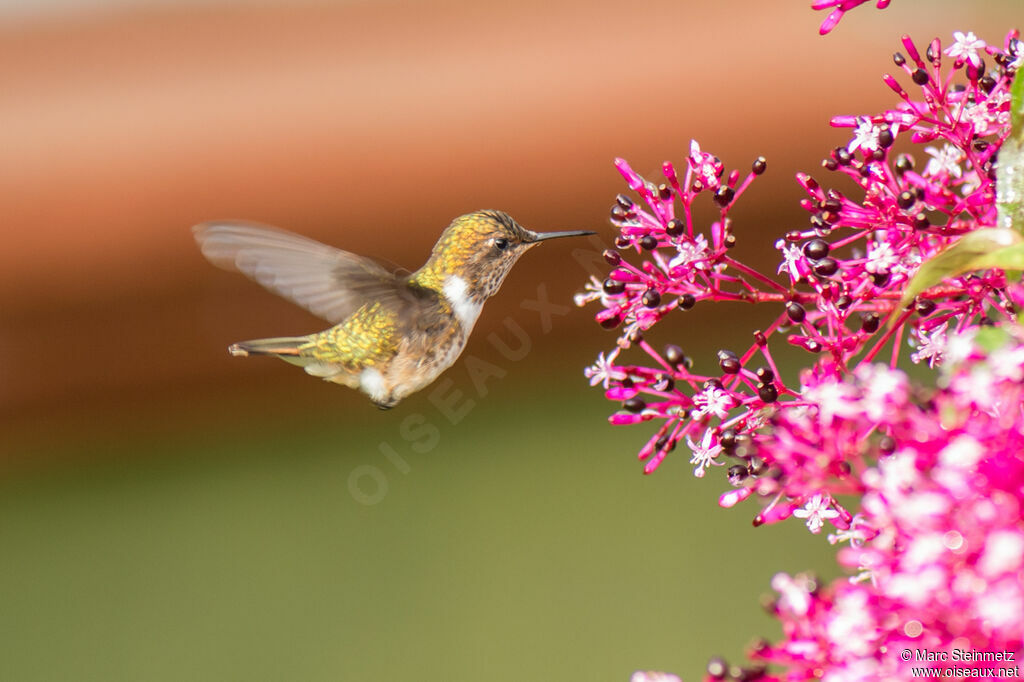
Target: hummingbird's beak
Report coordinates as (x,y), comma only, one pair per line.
(541,236)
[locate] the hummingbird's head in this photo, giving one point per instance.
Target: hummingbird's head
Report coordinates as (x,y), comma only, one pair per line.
(482,247)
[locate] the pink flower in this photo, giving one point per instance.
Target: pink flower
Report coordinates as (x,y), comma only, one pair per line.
(714,401)
(840,7)
(604,370)
(816,511)
(865,137)
(945,161)
(652,676)
(704,454)
(932,346)
(965,47)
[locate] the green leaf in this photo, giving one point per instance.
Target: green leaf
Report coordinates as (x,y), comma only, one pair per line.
(1017,107)
(1007,258)
(991,338)
(979,250)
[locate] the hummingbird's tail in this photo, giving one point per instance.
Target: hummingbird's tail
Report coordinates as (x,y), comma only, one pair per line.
(284,347)
(295,350)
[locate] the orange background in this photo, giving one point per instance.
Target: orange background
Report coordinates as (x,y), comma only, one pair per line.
(368,126)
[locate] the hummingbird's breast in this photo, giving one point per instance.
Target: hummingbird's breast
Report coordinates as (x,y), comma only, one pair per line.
(435,341)
(423,357)
(391,351)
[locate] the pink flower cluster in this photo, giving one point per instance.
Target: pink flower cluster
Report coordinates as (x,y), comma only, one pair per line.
(938,548)
(935,538)
(846,273)
(681,268)
(839,8)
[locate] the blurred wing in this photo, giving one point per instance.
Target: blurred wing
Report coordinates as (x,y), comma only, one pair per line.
(326,281)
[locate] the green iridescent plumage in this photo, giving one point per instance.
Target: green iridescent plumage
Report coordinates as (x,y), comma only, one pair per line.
(363,340)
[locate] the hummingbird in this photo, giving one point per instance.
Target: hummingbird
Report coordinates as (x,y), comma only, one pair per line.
(394,331)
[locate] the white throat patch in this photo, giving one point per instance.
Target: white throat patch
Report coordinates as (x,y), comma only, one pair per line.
(466,309)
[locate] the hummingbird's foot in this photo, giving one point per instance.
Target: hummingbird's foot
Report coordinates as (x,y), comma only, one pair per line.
(387,402)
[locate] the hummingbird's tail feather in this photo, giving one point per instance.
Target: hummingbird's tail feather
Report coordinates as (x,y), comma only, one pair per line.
(295,350)
(284,347)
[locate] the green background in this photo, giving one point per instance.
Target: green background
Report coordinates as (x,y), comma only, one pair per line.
(525,545)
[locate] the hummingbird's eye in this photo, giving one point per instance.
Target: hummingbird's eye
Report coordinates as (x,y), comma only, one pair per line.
(501,243)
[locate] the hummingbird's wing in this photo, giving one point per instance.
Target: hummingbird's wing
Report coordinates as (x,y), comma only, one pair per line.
(326,281)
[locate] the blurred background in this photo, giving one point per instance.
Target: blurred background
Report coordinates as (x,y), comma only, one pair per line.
(168,512)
